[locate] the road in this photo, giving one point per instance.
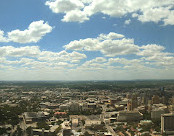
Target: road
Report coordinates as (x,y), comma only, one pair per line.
(109,128)
(13,130)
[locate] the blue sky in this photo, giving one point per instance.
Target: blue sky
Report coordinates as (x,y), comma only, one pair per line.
(86,39)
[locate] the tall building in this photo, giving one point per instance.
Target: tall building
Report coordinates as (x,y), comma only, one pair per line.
(167,124)
(132,103)
(155,99)
(144,100)
(163,100)
(128,96)
(173,100)
(156,114)
(74,107)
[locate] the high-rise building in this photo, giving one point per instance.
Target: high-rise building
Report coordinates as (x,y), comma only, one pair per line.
(167,123)
(74,107)
(132,103)
(156,114)
(163,100)
(173,100)
(155,99)
(128,96)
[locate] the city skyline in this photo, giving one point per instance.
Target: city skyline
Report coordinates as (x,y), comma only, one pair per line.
(86,40)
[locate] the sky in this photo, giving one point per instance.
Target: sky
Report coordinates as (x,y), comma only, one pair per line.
(86,39)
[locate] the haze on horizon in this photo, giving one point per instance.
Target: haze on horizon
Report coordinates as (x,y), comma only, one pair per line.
(86,39)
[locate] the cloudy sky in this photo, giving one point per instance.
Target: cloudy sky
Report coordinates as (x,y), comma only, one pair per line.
(86,39)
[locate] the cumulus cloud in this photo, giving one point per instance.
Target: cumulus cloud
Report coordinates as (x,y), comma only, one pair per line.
(124,61)
(113,48)
(110,45)
(2,38)
(75,16)
(110,36)
(150,61)
(32,57)
(150,50)
(145,11)
(127,22)
(61,56)
(34,33)
(64,6)
(30,51)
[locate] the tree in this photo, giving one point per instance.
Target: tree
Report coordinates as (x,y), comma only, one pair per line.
(86,134)
(43,124)
(29,129)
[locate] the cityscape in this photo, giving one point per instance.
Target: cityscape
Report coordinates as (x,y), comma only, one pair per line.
(88,108)
(86,67)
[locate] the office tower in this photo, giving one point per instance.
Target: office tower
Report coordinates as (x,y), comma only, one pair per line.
(167,123)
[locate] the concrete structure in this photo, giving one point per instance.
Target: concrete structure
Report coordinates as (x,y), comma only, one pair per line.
(167,124)
(92,122)
(155,99)
(63,107)
(132,103)
(145,122)
(156,114)
(75,122)
(74,107)
(92,105)
(30,117)
(66,129)
(129,116)
(107,134)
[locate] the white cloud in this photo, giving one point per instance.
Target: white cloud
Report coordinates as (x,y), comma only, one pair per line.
(127,22)
(145,11)
(155,14)
(155,55)
(113,48)
(30,62)
(110,45)
(31,57)
(34,33)
(150,49)
(30,51)
(88,44)
(75,16)
(169,19)
(64,6)
(110,36)
(124,61)
(2,38)
(61,56)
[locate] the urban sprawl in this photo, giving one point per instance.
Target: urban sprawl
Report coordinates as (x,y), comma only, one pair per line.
(56,111)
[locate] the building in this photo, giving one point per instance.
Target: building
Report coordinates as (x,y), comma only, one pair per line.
(155,99)
(60,114)
(63,107)
(156,114)
(145,122)
(75,122)
(167,124)
(66,129)
(92,105)
(89,122)
(30,117)
(132,103)
(126,116)
(74,107)
(157,110)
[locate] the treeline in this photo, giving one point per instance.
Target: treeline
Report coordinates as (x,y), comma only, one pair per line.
(93,85)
